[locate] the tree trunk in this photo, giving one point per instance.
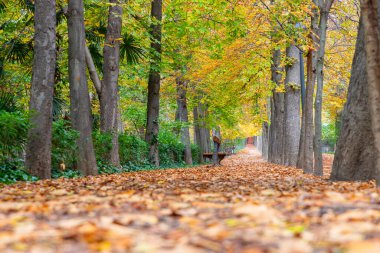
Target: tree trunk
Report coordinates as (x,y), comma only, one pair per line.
(355,153)
(183,117)
(93,73)
(264,149)
(109,89)
(305,156)
(38,151)
(370,14)
(205,132)
(79,96)
(259,144)
(292,107)
(276,129)
(197,133)
(153,106)
(324,9)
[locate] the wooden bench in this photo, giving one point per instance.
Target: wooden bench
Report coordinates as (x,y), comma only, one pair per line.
(221,156)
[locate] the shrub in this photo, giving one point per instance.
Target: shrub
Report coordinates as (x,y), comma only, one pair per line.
(13,135)
(171,149)
(102,145)
(105,168)
(195,153)
(64,147)
(12,172)
(69,173)
(133,150)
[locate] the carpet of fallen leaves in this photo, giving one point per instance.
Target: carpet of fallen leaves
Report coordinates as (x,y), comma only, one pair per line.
(246,205)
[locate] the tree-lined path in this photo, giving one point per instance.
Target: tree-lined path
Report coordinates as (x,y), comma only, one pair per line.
(245,205)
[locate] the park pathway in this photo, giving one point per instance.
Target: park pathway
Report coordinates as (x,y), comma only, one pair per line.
(246,205)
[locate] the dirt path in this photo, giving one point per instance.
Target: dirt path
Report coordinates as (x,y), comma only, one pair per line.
(246,205)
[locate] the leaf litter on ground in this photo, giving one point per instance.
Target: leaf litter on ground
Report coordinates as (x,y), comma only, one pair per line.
(246,205)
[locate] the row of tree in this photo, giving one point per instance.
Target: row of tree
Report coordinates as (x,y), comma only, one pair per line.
(358,149)
(292,138)
(208,64)
(38,158)
(38,151)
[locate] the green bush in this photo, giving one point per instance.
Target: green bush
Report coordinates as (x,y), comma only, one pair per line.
(12,172)
(105,168)
(64,147)
(133,150)
(13,135)
(69,173)
(102,145)
(170,148)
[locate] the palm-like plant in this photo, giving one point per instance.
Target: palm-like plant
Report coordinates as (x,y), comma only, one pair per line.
(19,51)
(7,102)
(130,49)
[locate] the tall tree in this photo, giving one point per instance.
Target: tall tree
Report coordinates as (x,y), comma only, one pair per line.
(38,152)
(305,156)
(355,153)
(324,7)
(292,106)
(182,116)
(370,14)
(79,97)
(109,89)
(154,83)
(276,128)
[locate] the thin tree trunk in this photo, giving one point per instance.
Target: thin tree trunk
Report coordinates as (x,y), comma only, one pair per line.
(79,96)
(324,7)
(154,83)
(292,107)
(205,132)
(38,151)
(183,117)
(305,157)
(93,73)
(109,98)
(197,133)
(370,14)
(355,153)
(259,144)
(265,134)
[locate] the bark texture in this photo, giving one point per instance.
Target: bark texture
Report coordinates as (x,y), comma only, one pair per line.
(370,16)
(306,155)
(154,82)
(324,9)
(276,129)
(79,97)
(292,108)
(264,147)
(182,115)
(109,88)
(355,152)
(38,151)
